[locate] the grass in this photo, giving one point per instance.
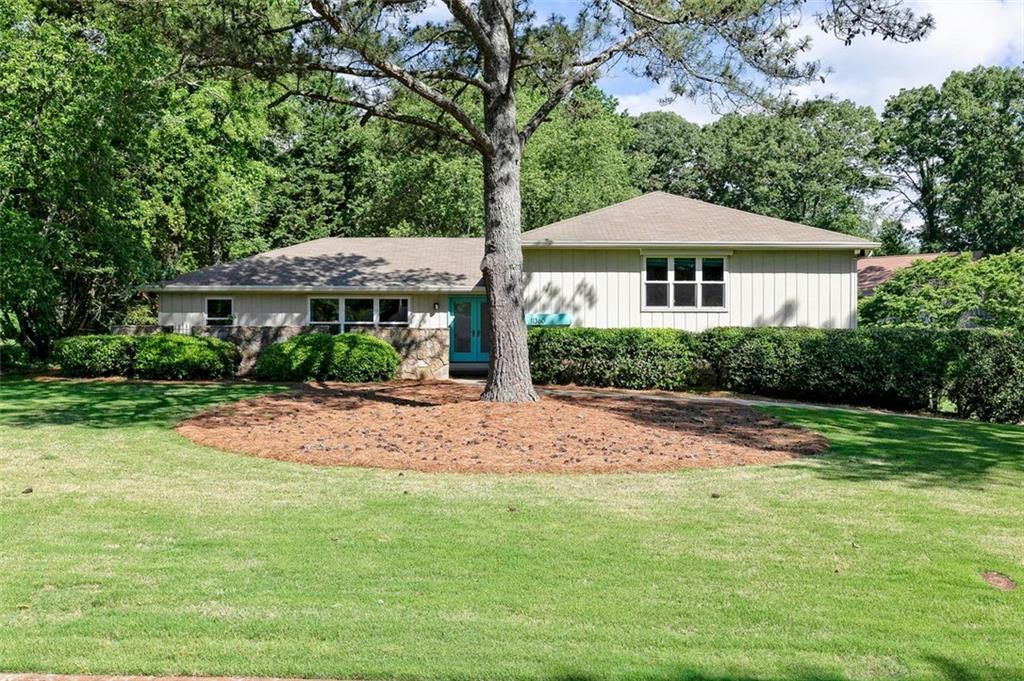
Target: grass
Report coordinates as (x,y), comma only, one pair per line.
(138,552)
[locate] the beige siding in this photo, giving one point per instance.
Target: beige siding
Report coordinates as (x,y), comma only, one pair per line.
(602,288)
(185,310)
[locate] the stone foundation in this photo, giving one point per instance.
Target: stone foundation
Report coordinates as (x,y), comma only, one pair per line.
(424,352)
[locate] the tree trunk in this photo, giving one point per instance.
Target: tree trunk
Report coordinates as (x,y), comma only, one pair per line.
(508,372)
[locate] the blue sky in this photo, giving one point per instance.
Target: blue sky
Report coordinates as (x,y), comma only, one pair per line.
(967,33)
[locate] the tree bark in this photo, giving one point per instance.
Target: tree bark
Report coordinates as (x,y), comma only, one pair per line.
(508,374)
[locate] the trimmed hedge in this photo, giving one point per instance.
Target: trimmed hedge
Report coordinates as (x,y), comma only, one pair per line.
(89,356)
(164,356)
(987,379)
(347,357)
(902,368)
(622,358)
(172,356)
(894,368)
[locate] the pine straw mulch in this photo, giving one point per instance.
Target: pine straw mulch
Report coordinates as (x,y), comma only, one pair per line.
(441,426)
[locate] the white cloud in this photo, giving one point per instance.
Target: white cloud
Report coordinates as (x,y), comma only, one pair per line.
(652,100)
(967,33)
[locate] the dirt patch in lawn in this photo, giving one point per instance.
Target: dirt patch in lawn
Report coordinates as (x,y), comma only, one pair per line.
(999,580)
(441,426)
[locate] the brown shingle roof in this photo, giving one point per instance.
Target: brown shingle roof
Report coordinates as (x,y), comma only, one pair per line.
(661,218)
(451,264)
(874,271)
(394,264)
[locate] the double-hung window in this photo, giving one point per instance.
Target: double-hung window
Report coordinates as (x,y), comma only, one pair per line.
(351,314)
(684,282)
(220,312)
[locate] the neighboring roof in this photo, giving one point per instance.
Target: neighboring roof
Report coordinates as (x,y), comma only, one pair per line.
(393,264)
(874,271)
(659,218)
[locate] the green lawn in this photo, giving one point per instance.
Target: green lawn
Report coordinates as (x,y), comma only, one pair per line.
(138,552)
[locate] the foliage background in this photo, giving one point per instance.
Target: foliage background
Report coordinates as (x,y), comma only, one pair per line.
(118,168)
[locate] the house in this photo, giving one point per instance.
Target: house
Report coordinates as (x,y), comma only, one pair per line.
(656,261)
(873,271)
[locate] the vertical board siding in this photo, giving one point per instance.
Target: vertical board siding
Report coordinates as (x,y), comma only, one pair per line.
(602,289)
(185,310)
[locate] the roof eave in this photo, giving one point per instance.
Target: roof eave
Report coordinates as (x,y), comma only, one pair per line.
(227,288)
(739,245)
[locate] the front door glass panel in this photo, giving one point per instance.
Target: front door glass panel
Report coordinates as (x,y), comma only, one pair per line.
(462,341)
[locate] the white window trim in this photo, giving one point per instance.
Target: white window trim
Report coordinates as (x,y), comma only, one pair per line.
(699,281)
(206,306)
(375,323)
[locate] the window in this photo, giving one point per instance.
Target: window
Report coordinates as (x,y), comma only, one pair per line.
(680,283)
(219,312)
(323,314)
(351,314)
(358,312)
(393,312)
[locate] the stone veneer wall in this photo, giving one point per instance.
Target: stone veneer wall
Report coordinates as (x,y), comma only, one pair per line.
(424,352)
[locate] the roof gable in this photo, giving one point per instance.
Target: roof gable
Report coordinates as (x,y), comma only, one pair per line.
(662,218)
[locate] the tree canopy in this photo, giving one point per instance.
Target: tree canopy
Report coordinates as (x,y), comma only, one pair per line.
(956,154)
(952,292)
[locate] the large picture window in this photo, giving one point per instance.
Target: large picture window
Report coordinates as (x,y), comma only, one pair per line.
(220,311)
(351,314)
(684,282)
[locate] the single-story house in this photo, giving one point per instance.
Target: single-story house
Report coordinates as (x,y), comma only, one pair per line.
(655,261)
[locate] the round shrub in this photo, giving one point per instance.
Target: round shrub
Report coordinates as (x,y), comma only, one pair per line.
(347,357)
(89,356)
(987,380)
(172,356)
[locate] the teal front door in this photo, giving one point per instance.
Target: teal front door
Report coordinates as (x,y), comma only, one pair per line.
(469,328)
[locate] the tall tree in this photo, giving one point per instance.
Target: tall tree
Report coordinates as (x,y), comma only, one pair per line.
(813,163)
(75,102)
(359,54)
(668,144)
(957,156)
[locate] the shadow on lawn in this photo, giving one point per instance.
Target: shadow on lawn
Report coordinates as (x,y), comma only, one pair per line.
(921,452)
(946,669)
(27,402)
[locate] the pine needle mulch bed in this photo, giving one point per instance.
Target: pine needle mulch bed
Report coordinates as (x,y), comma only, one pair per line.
(443,427)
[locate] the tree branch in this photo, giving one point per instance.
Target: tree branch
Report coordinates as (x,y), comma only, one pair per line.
(469,18)
(588,68)
(381,111)
(407,79)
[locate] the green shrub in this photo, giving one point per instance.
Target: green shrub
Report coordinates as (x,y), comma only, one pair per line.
(347,357)
(140,315)
(88,356)
(13,356)
(987,379)
(894,368)
(173,357)
(621,358)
